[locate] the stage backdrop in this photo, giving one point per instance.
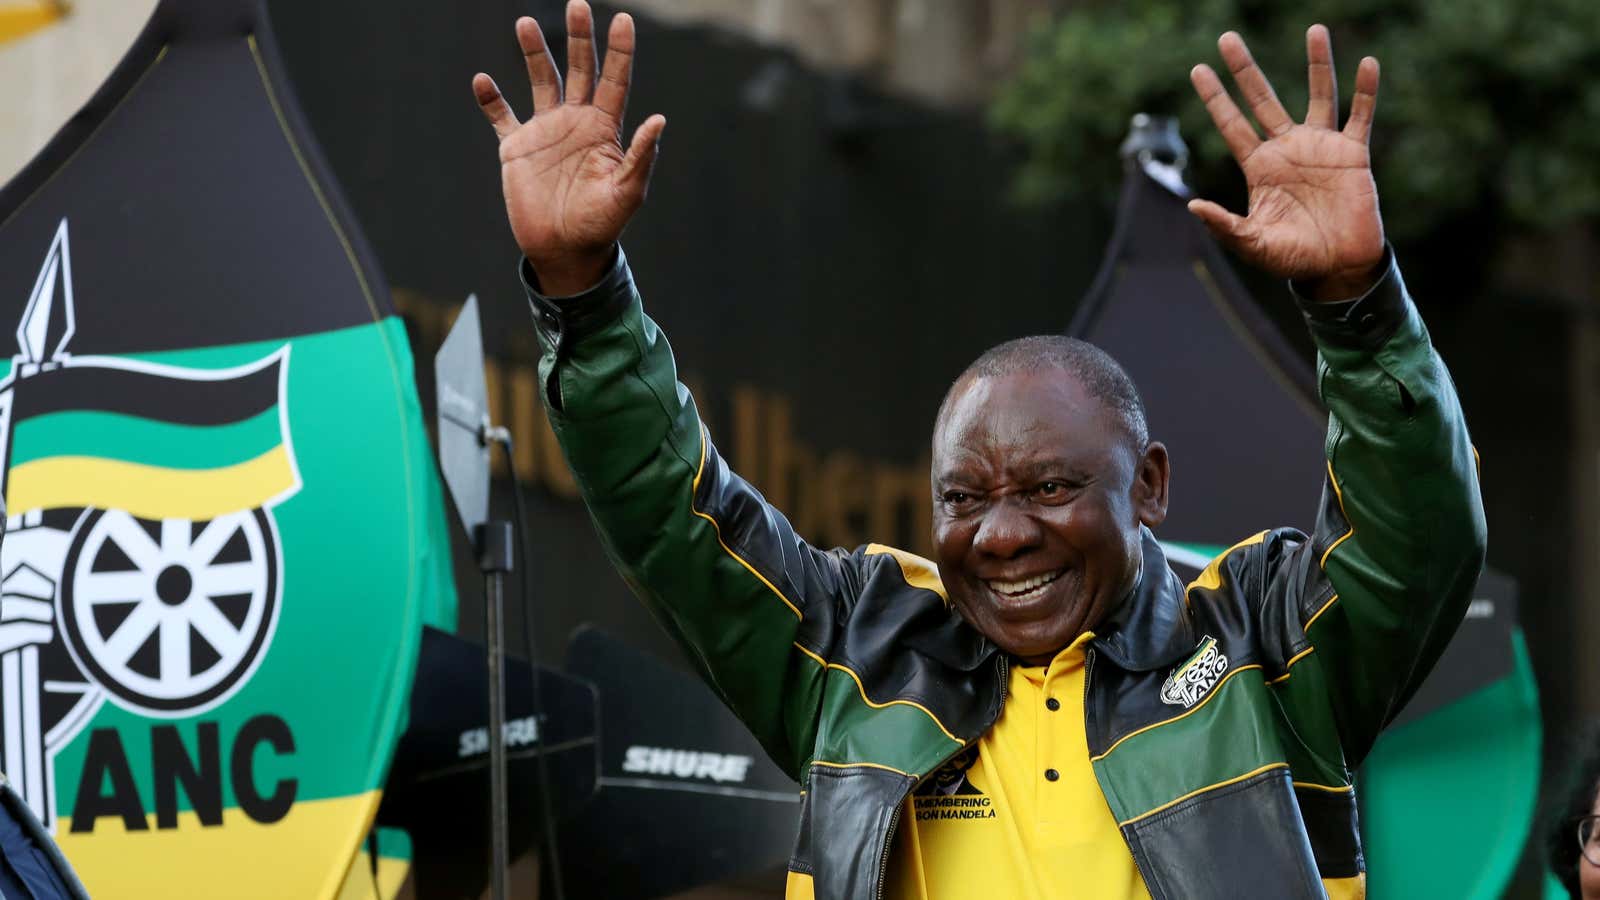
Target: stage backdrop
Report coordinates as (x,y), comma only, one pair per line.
(225,530)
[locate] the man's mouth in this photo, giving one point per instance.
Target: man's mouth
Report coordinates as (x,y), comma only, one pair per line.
(1026,588)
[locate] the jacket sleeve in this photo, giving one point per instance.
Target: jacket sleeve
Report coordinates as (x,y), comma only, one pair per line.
(1376,592)
(751,604)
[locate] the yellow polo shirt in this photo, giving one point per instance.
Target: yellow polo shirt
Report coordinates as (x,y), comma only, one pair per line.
(1019,815)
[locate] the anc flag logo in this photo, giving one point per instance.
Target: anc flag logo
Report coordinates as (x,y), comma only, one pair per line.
(155,441)
(142,560)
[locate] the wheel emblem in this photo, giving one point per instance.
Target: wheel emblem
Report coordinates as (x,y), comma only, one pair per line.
(170,615)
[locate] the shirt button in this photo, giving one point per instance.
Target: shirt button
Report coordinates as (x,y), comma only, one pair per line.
(1052,704)
(1051,774)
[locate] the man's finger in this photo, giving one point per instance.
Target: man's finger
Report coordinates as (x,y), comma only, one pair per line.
(633,176)
(1323,109)
(1365,102)
(1236,130)
(495,108)
(581,63)
(1253,85)
(542,74)
(1221,222)
(611,95)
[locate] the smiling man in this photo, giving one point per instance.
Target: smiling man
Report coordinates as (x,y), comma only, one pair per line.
(1047,711)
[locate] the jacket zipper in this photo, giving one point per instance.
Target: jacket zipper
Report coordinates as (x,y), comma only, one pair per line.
(1088,672)
(1005,685)
(900,802)
(888,838)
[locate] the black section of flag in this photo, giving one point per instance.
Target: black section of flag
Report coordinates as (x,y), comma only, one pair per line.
(147,395)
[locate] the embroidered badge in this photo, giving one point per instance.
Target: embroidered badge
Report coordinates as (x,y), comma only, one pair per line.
(1190,681)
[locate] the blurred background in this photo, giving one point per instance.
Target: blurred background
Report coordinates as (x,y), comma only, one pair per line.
(855,197)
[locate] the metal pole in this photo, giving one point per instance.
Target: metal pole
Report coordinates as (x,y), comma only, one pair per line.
(497,743)
(494,557)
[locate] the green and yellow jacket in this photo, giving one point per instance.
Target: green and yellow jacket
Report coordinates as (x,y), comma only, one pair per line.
(1224,718)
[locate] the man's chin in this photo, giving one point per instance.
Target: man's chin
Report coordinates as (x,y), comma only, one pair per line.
(1034,649)
(1028,632)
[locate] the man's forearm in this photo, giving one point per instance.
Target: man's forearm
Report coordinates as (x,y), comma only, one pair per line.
(1401,535)
(722,570)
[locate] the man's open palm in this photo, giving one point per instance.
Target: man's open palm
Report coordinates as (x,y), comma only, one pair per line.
(569,186)
(1313,204)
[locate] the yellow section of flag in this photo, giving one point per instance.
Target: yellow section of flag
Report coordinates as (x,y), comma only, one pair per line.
(305,854)
(150,492)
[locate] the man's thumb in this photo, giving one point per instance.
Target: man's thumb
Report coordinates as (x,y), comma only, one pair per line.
(1223,224)
(634,172)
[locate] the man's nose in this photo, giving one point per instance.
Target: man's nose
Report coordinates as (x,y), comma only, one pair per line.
(1007,530)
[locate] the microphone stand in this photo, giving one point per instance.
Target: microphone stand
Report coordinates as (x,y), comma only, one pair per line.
(494,546)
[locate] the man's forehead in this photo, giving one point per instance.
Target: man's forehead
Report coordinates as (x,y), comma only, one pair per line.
(1041,395)
(1028,418)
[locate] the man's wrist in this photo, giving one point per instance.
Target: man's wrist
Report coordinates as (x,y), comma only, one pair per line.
(1359,321)
(571,274)
(1343,286)
(562,320)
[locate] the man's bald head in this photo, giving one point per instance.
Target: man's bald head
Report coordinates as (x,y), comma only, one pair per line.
(1101,377)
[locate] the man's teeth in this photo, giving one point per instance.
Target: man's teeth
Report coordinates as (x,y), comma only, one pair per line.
(1028,585)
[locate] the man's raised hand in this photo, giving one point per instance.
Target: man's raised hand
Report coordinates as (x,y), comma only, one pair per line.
(1313,204)
(569,186)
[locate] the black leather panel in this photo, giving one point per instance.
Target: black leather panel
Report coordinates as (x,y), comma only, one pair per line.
(1124,698)
(845,836)
(905,643)
(1331,823)
(1244,840)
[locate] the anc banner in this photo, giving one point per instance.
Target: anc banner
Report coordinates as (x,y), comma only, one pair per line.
(224,528)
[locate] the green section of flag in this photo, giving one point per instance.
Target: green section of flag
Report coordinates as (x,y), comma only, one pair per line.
(147,441)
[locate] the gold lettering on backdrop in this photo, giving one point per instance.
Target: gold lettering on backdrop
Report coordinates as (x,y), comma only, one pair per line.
(835,498)
(527,416)
(497,412)
(747,429)
(791,472)
(832,498)
(842,496)
(901,504)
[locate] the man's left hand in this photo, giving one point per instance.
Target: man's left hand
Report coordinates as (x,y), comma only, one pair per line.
(1313,204)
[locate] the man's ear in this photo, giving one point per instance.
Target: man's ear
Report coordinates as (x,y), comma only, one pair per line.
(1150,485)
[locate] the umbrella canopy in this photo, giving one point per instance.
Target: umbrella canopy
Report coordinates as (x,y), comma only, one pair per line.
(225,529)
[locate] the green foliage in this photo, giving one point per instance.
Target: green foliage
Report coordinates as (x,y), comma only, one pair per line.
(1485,106)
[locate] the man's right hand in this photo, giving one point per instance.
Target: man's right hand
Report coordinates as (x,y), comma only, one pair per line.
(570,188)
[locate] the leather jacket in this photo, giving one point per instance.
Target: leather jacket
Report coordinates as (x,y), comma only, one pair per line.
(1224,718)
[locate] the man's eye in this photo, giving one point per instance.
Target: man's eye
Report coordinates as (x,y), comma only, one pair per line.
(956,498)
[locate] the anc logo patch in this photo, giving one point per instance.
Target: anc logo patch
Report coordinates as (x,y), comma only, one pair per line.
(1197,675)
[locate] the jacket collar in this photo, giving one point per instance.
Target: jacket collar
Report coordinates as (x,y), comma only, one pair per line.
(1152,628)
